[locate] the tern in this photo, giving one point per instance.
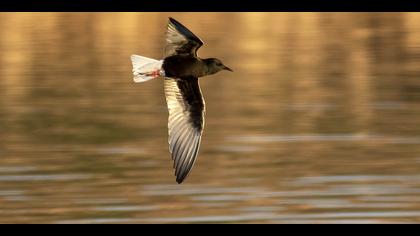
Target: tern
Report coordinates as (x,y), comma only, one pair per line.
(181,68)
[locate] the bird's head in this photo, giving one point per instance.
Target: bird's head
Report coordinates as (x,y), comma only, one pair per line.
(214,65)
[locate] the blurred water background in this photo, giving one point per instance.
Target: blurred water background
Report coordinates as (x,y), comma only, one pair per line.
(319,123)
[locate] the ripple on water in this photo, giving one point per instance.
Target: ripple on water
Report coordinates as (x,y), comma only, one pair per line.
(136,208)
(238,148)
(325,138)
(162,190)
(14,195)
(99,221)
(287,218)
(16,169)
(121,151)
(56,177)
(357,178)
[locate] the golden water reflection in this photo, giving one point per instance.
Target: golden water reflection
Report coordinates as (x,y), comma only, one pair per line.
(318,124)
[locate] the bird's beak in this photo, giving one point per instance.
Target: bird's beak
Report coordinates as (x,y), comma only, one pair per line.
(227,68)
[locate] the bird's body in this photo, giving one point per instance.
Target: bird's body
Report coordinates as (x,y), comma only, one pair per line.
(181,69)
(178,66)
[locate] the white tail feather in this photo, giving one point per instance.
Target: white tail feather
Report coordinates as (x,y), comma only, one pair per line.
(145,69)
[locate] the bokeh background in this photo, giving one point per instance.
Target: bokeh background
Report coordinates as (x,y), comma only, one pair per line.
(319,123)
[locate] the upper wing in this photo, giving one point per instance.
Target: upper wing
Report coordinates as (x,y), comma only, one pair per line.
(180,40)
(185,124)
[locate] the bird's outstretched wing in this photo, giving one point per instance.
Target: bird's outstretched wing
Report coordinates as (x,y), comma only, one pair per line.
(180,40)
(185,124)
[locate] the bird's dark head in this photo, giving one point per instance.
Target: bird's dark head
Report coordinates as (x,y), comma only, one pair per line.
(214,65)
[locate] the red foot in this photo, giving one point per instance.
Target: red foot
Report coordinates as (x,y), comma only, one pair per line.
(154,73)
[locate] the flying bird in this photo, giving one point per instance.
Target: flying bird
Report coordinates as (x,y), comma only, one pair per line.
(180,69)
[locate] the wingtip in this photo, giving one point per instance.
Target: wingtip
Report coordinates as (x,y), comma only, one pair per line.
(179,181)
(176,23)
(180,178)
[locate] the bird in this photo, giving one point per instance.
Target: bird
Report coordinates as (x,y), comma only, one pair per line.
(180,69)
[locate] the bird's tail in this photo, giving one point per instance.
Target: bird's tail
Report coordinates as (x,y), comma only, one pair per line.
(145,69)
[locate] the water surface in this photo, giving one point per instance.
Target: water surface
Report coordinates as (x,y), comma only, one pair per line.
(319,123)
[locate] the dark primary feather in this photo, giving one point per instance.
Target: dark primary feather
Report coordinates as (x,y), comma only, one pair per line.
(181,40)
(185,124)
